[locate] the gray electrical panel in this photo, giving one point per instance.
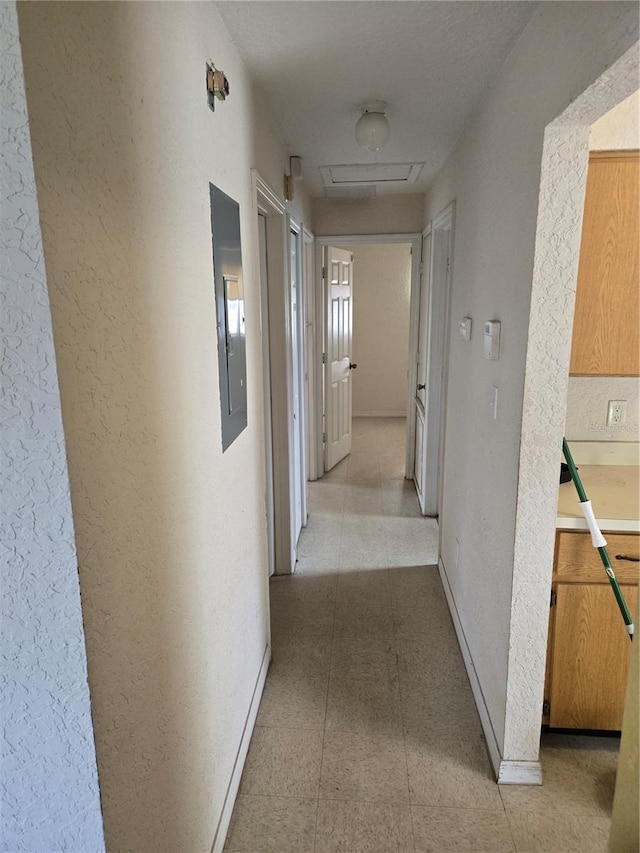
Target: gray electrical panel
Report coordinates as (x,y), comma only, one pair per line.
(227,273)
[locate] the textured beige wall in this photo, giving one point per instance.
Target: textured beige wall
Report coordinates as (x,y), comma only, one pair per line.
(171,533)
(493,174)
(385,214)
(619,128)
(587,403)
(49,793)
(381,293)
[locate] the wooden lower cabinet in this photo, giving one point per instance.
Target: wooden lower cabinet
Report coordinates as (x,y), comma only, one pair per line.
(588,651)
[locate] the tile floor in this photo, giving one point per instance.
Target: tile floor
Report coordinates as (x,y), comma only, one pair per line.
(367,737)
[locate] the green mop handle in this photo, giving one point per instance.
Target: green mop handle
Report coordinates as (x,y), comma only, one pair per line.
(597,538)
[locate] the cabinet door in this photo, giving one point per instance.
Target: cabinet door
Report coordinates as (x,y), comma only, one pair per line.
(590,657)
(606,338)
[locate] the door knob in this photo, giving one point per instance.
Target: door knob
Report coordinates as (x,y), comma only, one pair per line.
(421,387)
(352,366)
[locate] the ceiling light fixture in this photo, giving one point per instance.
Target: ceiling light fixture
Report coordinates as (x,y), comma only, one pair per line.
(373,128)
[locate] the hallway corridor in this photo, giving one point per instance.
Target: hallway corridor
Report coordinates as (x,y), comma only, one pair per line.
(367,737)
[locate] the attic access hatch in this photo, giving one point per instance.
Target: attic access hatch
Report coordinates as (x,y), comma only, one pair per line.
(370,173)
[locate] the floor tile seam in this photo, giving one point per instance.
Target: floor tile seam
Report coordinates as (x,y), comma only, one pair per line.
(315,829)
(506,817)
(402,721)
(286,728)
(366,732)
(506,814)
(282,796)
(326,710)
(242,796)
(301,677)
(516,847)
(558,810)
(404,739)
(301,635)
(355,678)
(440,807)
(339,552)
(362,801)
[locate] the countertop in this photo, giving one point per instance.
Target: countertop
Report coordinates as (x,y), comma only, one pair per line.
(614,492)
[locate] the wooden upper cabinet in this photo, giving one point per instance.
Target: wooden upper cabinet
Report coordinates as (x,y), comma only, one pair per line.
(606,329)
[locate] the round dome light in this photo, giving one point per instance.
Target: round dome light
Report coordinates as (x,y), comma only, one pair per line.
(373,128)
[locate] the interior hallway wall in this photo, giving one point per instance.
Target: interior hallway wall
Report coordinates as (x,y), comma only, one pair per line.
(619,128)
(384,214)
(171,533)
(49,797)
(381,296)
(493,174)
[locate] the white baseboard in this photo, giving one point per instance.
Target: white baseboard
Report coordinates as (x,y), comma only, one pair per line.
(520,773)
(506,772)
(400,414)
(241,755)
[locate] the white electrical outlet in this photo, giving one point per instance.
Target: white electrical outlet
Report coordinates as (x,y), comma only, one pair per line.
(616,413)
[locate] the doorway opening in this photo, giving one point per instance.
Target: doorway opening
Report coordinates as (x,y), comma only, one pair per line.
(369,309)
(367,302)
(280,247)
(555,275)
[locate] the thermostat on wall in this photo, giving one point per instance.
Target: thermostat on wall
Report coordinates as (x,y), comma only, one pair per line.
(492,339)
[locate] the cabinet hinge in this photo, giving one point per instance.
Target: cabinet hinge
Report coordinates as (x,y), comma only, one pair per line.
(324,358)
(546,708)
(324,437)
(325,272)
(554,598)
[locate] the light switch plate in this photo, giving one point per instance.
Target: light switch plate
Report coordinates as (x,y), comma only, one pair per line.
(465,328)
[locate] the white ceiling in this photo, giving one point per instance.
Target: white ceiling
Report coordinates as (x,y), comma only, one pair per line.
(316,62)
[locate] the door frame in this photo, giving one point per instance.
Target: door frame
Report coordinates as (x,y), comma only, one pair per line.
(415,240)
(310,334)
(438,340)
(275,324)
(267,204)
(425,274)
(294,228)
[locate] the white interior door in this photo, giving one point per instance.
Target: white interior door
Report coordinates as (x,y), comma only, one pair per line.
(437,357)
(338,276)
(296,390)
(419,468)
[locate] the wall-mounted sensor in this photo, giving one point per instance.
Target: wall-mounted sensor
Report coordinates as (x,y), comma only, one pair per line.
(492,339)
(464,328)
(217,85)
(295,167)
(295,173)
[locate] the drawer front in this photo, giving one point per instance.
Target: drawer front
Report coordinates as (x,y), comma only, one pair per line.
(579,562)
